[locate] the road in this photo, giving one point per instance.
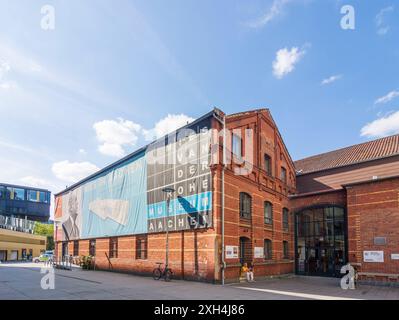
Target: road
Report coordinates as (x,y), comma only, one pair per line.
(23,281)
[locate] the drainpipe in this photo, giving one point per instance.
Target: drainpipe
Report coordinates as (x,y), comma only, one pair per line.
(223,168)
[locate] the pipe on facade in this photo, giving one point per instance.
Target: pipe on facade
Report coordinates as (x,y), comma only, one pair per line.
(222,218)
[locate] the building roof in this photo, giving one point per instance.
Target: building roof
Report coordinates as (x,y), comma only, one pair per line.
(367,151)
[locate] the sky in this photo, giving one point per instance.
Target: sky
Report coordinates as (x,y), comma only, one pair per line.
(83,83)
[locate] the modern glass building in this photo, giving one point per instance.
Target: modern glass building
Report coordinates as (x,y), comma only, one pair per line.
(24,202)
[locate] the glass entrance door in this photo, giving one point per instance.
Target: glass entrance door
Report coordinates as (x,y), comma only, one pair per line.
(320,241)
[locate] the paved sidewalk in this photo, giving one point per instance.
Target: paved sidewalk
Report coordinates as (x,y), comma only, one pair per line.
(22,281)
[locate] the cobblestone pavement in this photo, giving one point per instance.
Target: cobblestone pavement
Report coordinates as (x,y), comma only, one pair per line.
(23,281)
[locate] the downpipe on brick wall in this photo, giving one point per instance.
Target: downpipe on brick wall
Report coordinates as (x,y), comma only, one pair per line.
(223,168)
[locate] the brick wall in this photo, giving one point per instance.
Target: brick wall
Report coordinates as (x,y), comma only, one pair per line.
(373,211)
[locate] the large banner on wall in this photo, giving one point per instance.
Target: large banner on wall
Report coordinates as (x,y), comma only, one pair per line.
(129,198)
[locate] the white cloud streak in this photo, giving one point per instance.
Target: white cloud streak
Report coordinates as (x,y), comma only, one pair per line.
(275,10)
(382,28)
(388,97)
(114,135)
(331,79)
(286,60)
(382,127)
(166,125)
(73,171)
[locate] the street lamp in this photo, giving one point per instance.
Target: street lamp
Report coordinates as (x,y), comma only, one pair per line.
(169,191)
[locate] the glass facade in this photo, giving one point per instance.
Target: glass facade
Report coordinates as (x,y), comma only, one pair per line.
(321,247)
(21,202)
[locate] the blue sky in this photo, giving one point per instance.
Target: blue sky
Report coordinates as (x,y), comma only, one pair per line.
(113,74)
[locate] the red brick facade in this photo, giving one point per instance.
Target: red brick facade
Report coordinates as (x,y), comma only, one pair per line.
(372,211)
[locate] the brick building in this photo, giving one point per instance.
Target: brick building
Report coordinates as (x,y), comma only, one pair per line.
(238,192)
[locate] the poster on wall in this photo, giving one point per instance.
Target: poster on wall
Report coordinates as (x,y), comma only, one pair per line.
(128,199)
(373,256)
(258,252)
(183,164)
(231,252)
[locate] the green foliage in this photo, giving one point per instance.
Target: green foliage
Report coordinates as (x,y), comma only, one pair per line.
(44,229)
(86,262)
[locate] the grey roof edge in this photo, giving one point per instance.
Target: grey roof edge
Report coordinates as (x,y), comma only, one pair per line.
(346,165)
(23,187)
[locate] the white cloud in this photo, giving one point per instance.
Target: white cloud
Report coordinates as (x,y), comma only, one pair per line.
(114,135)
(4,70)
(166,125)
(73,171)
(382,127)
(36,182)
(286,60)
(382,28)
(82,151)
(388,97)
(275,10)
(331,79)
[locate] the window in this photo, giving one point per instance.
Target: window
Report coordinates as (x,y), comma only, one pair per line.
(92,248)
(268,165)
(268,249)
(268,212)
(113,247)
(283,174)
(141,247)
(285,250)
(43,197)
(76,248)
(245,205)
(285,219)
(237,145)
(15,194)
(2,193)
(32,195)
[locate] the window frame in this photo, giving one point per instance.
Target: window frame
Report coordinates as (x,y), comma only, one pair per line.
(286,219)
(286,250)
(242,198)
(268,220)
(76,248)
(236,138)
(142,250)
(92,244)
(283,175)
(113,247)
(267,164)
(268,249)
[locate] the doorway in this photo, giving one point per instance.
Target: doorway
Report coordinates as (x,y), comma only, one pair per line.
(245,250)
(321,241)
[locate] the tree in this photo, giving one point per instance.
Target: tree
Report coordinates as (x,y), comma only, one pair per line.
(47,230)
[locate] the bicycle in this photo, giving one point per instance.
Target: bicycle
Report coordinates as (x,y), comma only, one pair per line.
(158,273)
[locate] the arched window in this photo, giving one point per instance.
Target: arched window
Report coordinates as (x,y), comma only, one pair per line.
(245,205)
(268,164)
(285,250)
(268,212)
(283,175)
(285,219)
(268,249)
